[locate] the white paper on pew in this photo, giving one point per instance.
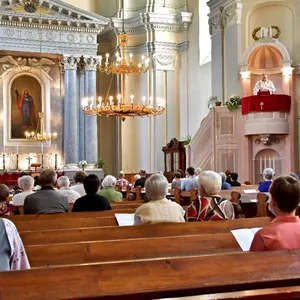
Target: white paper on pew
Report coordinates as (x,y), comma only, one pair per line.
(125,219)
(253,191)
(253,200)
(245,236)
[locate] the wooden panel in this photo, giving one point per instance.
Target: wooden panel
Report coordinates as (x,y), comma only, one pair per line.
(160,278)
(142,231)
(131,249)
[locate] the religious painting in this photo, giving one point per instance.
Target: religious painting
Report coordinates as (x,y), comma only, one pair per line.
(26,102)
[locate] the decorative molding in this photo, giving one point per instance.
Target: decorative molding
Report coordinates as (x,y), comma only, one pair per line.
(224,15)
(90,63)
(70,62)
(164,61)
(54,14)
(9,63)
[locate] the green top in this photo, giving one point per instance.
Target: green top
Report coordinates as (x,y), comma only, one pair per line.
(111,195)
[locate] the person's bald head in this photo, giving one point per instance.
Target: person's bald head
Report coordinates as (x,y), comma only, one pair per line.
(264,77)
(4,192)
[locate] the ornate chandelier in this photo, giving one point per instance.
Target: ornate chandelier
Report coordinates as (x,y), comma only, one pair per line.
(40,135)
(120,106)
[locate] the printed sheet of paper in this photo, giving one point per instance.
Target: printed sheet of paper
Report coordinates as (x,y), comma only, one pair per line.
(244,237)
(253,191)
(125,219)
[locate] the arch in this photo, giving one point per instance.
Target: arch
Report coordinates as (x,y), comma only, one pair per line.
(44,81)
(286,61)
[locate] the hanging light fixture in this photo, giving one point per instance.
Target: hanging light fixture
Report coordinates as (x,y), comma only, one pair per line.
(120,106)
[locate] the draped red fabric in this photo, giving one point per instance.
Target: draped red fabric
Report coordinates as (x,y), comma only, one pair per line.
(267,103)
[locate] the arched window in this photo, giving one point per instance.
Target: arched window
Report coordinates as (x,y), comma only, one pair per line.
(204,36)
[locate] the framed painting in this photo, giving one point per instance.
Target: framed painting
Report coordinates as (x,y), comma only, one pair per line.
(26,102)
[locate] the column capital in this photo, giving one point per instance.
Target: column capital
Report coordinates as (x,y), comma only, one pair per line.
(70,62)
(90,63)
(224,14)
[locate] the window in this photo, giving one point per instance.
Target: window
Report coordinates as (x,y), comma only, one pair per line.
(204,36)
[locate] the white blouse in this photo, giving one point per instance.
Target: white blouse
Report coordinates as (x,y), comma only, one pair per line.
(159,211)
(18,257)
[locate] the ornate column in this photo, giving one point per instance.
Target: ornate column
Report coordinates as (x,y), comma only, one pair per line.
(225,29)
(71,142)
(81,114)
(90,122)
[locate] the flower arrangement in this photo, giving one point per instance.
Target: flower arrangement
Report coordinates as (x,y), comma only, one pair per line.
(233,102)
(82,164)
(100,163)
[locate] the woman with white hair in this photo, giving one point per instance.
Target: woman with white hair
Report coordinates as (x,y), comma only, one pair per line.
(268,176)
(108,191)
(158,209)
(26,183)
(63,183)
(210,206)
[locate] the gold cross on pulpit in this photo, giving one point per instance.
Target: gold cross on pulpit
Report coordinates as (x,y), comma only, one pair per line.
(261,105)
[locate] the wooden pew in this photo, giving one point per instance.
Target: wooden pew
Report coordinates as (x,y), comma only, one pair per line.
(130,249)
(133,232)
(74,215)
(55,224)
(155,279)
(287,292)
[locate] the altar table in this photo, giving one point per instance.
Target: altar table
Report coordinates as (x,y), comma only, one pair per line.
(266,103)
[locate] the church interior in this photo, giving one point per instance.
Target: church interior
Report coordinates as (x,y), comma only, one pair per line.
(120,118)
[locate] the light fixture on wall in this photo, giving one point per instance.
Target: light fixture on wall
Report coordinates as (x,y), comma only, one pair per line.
(120,106)
(287,71)
(245,74)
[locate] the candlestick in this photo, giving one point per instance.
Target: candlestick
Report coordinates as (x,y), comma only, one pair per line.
(260,165)
(17,162)
(17,149)
(55,161)
(3,160)
(42,148)
(42,163)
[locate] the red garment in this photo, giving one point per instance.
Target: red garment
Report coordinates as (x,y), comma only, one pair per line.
(7,209)
(206,210)
(32,109)
(283,233)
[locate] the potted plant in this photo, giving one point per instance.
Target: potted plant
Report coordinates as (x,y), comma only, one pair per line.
(233,102)
(187,140)
(100,163)
(213,101)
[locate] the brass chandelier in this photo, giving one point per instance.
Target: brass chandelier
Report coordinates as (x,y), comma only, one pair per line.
(120,106)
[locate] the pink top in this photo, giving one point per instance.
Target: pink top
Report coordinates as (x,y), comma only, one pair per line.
(122,182)
(18,257)
(283,233)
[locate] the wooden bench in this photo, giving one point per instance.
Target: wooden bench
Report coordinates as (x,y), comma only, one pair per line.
(74,215)
(141,231)
(130,249)
(155,279)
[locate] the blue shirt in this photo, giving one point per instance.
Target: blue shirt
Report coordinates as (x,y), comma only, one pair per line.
(264,186)
(188,184)
(225,186)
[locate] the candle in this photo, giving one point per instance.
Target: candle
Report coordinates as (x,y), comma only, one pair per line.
(111,100)
(42,148)
(265,165)
(131,98)
(55,149)
(119,98)
(144,100)
(17,149)
(130,57)
(274,165)
(100,60)
(143,58)
(107,56)
(150,100)
(3,149)
(270,166)
(100,100)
